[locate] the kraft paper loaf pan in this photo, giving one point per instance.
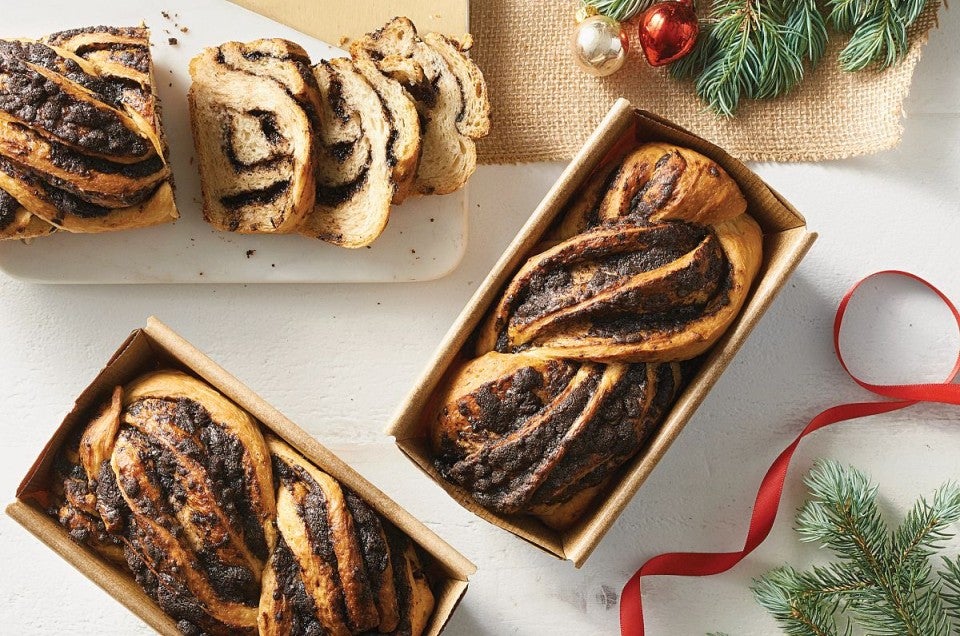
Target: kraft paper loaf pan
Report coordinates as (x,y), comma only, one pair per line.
(157,346)
(786,241)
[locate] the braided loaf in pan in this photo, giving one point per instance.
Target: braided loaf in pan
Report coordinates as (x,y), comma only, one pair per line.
(81,147)
(584,353)
(229,532)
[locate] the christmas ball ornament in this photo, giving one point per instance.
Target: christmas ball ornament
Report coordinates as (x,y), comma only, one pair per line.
(668,31)
(600,45)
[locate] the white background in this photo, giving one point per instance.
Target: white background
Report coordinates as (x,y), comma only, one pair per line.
(338,360)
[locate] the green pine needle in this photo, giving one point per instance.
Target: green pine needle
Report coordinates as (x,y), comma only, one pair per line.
(878,28)
(950,577)
(619,10)
(806,30)
(883,581)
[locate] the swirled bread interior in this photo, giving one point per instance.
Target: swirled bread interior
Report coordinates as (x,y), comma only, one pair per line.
(448,90)
(254,109)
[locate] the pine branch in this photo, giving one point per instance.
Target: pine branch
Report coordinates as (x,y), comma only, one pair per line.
(806,30)
(782,593)
(882,579)
(804,604)
(759,49)
(925,529)
(842,515)
(753,49)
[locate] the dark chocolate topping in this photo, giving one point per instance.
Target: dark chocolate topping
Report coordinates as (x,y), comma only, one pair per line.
(8,209)
(45,104)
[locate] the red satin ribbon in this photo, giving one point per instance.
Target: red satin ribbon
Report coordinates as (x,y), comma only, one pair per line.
(771,488)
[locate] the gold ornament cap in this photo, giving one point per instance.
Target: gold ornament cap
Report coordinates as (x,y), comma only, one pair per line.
(585,11)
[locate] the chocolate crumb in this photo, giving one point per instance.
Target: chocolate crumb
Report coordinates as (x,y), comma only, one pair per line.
(172,41)
(431,219)
(165,14)
(413,251)
(184,30)
(251,253)
(273,264)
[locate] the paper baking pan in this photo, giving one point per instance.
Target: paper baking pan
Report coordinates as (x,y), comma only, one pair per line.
(158,346)
(786,241)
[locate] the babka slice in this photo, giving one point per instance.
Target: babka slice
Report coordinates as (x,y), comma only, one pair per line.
(354,175)
(253,109)
(451,99)
(404,150)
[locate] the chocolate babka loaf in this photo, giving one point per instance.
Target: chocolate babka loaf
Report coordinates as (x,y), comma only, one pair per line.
(81,146)
(228,532)
(578,361)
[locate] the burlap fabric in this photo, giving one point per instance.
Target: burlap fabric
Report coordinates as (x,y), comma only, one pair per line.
(544,106)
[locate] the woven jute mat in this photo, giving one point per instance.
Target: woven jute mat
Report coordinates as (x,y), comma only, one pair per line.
(544,107)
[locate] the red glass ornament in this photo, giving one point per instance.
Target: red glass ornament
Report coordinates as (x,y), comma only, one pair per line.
(668,31)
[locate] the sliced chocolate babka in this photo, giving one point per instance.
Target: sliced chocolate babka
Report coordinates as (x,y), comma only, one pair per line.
(354,175)
(253,109)
(80,134)
(229,531)
(325,151)
(449,93)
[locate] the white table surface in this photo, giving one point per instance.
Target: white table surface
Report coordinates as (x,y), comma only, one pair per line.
(338,360)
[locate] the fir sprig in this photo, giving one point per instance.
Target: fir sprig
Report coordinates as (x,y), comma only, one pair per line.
(878,30)
(883,581)
(753,49)
(758,49)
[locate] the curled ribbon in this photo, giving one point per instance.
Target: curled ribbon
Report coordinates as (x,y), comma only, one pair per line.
(771,488)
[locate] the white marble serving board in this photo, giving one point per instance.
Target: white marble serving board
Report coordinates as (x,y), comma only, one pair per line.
(425,239)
